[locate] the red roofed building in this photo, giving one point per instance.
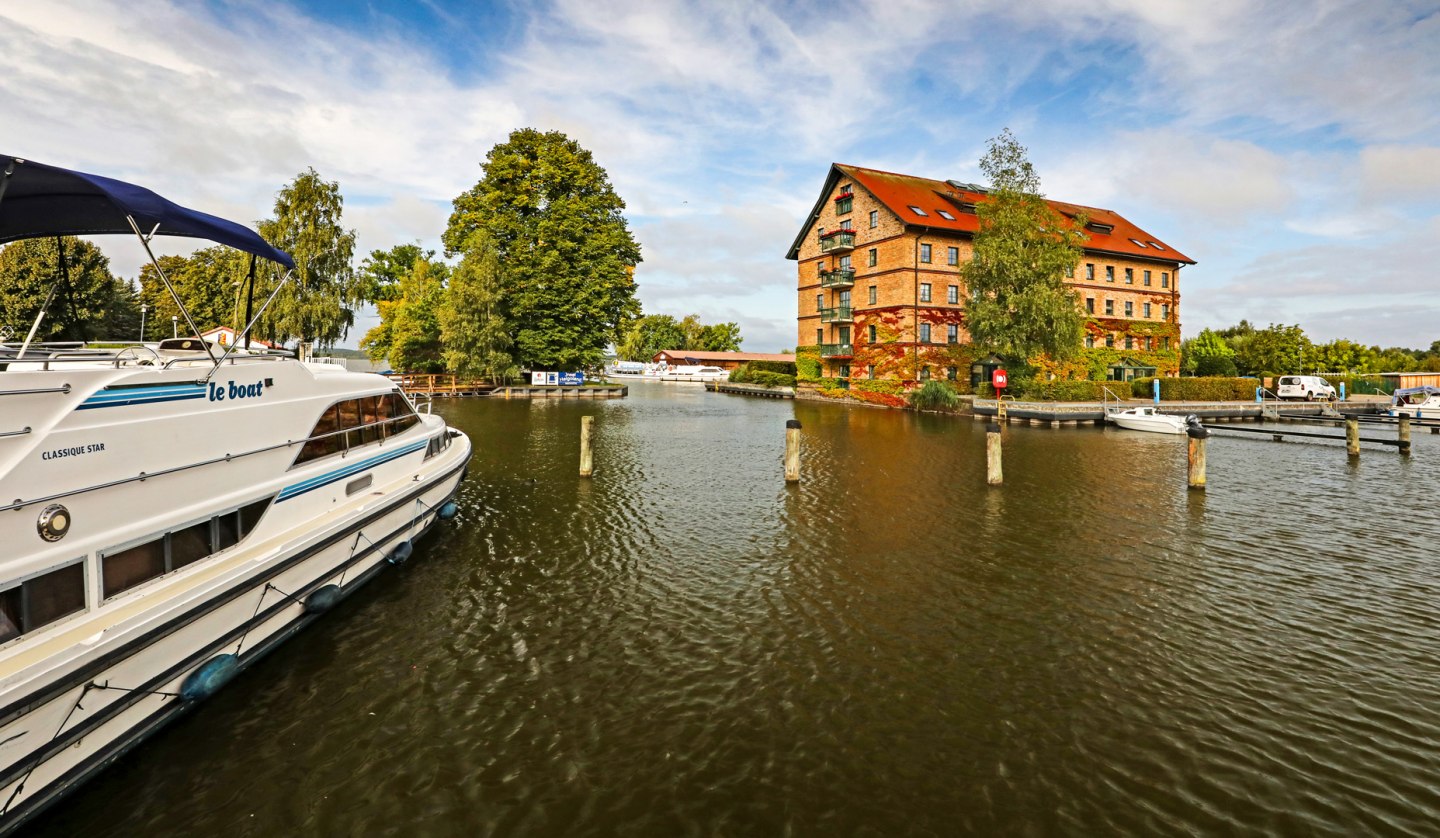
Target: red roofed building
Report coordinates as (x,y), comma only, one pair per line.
(881,295)
(723,360)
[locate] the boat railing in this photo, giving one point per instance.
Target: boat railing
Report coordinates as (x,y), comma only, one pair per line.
(1106,394)
(118,358)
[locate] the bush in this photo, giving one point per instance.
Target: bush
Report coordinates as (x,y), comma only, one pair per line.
(781,367)
(772,379)
(934,395)
(1207,389)
(807,367)
(1211,366)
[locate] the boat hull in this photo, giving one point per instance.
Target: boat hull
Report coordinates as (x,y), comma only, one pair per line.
(1151,424)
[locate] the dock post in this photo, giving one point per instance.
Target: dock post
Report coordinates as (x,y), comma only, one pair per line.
(1195,456)
(792,450)
(1352,436)
(994,474)
(587,464)
(1404,434)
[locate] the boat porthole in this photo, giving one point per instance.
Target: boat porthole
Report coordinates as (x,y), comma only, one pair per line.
(54,522)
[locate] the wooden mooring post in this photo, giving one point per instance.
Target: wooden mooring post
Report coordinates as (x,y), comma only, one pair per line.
(994,472)
(1195,457)
(1404,434)
(587,464)
(1352,436)
(792,450)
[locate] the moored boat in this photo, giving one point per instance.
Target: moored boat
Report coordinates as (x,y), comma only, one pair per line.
(170,513)
(1149,419)
(1416,402)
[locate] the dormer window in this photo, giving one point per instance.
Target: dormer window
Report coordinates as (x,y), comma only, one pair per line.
(918,211)
(1101,228)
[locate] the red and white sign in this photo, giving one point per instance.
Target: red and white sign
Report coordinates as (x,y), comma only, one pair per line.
(997,379)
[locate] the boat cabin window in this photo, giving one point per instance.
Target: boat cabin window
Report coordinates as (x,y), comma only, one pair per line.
(356,422)
(42,600)
(124,569)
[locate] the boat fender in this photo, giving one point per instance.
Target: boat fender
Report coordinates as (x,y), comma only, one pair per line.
(401,552)
(210,677)
(322,599)
(448,510)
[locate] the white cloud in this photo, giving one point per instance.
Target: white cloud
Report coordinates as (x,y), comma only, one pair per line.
(1402,173)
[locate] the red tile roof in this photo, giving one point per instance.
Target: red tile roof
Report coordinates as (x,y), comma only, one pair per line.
(900,192)
(697,355)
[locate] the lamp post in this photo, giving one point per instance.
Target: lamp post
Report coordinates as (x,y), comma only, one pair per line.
(143,308)
(174,326)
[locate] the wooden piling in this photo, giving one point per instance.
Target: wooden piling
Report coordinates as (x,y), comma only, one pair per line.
(792,450)
(1352,436)
(1195,458)
(1404,434)
(587,464)
(994,474)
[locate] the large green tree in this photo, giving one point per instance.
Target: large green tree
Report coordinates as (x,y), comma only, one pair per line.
(719,337)
(380,274)
(211,282)
(555,224)
(473,330)
(648,335)
(318,304)
(1208,354)
(1018,305)
(409,330)
(93,304)
(1275,350)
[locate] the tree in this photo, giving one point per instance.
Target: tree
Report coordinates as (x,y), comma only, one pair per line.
(720,337)
(409,330)
(650,334)
(94,304)
(1018,305)
(472,329)
(380,274)
(211,282)
(1274,350)
(317,305)
(1209,354)
(554,221)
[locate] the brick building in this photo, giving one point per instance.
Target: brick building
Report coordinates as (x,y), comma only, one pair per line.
(881,295)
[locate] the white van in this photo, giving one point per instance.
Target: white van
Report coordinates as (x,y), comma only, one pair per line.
(1307,387)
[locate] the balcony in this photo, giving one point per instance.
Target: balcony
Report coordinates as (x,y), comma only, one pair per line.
(839,314)
(838,278)
(837,241)
(837,350)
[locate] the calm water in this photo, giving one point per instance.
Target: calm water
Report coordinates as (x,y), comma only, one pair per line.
(683,645)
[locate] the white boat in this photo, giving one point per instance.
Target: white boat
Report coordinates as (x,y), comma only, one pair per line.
(1416,402)
(171,513)
(1149,419)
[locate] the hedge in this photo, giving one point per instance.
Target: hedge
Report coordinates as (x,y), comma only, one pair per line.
(781,367)
(1082,390)
(1198,389)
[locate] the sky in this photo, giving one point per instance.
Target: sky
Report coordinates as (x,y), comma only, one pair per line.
(1291,148)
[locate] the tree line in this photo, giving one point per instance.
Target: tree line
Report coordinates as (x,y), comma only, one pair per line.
(1243,349)
(537,273)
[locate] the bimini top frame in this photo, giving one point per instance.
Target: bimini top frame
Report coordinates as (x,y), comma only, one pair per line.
(40,201)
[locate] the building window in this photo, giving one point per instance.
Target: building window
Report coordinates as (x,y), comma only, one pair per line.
(844,205)
(1146,278)
(1110,307)
(845,263)
(872,333)
(1089,341)
(1148,344)
(1129,342)
(820,302)
(844,370)
(925,253)
(952,333)
(874,219)
(1090,271)
(1147,311)
(819,336)
(1164,311)
(869,370)
(924,373)
(1129,309)
(918,211)
(953,295)
(874,256)
(952,255)
(1109,273)
(1164,343)
(945,215)
(1070,271)
(1129,276)
(924,332)
(1090,305)
(924,292)
(845,225)
(872,295)
(951,373)
(1110,340)
(1164,279)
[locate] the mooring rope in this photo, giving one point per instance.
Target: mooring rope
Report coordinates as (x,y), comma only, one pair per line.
(20,787)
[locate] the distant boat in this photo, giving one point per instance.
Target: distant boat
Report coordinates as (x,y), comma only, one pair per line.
(1415,402)
(1150,419)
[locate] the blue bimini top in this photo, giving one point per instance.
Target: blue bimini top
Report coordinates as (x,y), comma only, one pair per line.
(38,201)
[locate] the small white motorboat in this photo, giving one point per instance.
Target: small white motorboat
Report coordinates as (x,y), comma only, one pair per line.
(1416,402)
(1149,419)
